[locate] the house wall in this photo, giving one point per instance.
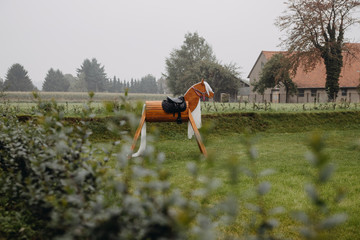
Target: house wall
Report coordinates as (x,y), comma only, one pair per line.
(309,96)
(320,96)
(270,95)
(351,96)
(255,76)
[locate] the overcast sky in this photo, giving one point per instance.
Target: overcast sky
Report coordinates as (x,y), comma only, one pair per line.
(132,38)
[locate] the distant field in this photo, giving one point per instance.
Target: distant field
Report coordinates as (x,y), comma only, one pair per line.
(76,97)
(72,102)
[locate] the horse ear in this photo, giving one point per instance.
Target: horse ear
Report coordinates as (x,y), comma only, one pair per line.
(202,81)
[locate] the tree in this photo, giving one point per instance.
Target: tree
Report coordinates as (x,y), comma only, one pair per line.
(55,81)
(17,79)
(315,30)
(113,85)
(162,87)
(1,84)
(276,73)
(223,79)
(94,75)
(195,61)
(77,84)
(180,65)
(148,84)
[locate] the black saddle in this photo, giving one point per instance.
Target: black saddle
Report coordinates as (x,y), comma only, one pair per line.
(174,105)
(177,100)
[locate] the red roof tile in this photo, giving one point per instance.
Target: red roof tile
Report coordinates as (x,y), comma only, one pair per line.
(350,74)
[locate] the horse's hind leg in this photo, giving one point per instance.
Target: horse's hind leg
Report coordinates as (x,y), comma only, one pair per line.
(138,131)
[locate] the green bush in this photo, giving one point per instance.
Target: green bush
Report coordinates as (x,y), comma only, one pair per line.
(54,184)
(45,166)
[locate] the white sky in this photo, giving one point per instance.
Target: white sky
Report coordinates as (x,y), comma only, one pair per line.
(132,38)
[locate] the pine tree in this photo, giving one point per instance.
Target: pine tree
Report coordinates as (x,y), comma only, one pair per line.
(55,81)
(94,74)
(17,79)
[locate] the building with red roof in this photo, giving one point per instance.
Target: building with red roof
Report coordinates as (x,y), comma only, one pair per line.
(310,84)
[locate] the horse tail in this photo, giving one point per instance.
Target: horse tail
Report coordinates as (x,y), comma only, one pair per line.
(197,118)
(142,139)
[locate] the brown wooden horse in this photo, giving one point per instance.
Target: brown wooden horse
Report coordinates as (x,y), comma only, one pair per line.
(153,112)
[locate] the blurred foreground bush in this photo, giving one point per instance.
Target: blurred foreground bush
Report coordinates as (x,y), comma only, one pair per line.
(54,184)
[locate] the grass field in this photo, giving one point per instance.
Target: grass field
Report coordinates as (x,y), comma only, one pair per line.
(283,152)
(281,133)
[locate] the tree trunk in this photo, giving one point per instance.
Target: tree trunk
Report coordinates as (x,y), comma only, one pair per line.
(333,60)
(286,94)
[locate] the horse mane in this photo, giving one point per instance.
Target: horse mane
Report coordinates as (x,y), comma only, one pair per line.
(208,88)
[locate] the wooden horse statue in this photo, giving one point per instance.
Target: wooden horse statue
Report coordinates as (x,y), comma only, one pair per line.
(153,112)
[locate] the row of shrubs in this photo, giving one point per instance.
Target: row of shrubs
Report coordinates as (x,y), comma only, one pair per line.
(54,184)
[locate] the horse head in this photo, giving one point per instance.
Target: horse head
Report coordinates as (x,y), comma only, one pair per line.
(196,92)
(203,89)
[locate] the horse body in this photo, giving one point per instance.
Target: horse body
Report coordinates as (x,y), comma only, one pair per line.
(153,112)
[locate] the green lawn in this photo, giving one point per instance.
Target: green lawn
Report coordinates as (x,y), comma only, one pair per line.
(283,152)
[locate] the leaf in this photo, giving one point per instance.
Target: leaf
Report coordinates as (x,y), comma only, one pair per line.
(333,221)
(326,173)
(263,188)
(273,223)
(311,192)
(253,207)
(248,172)
(311,158)
(341,193)
(161,158)
(267,172)
(192,168)
(80,175)
(277,210)
(307,233)
(105,150)
(301,217)
(253,153)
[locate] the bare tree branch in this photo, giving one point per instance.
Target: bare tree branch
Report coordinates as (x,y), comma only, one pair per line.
(315,30)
